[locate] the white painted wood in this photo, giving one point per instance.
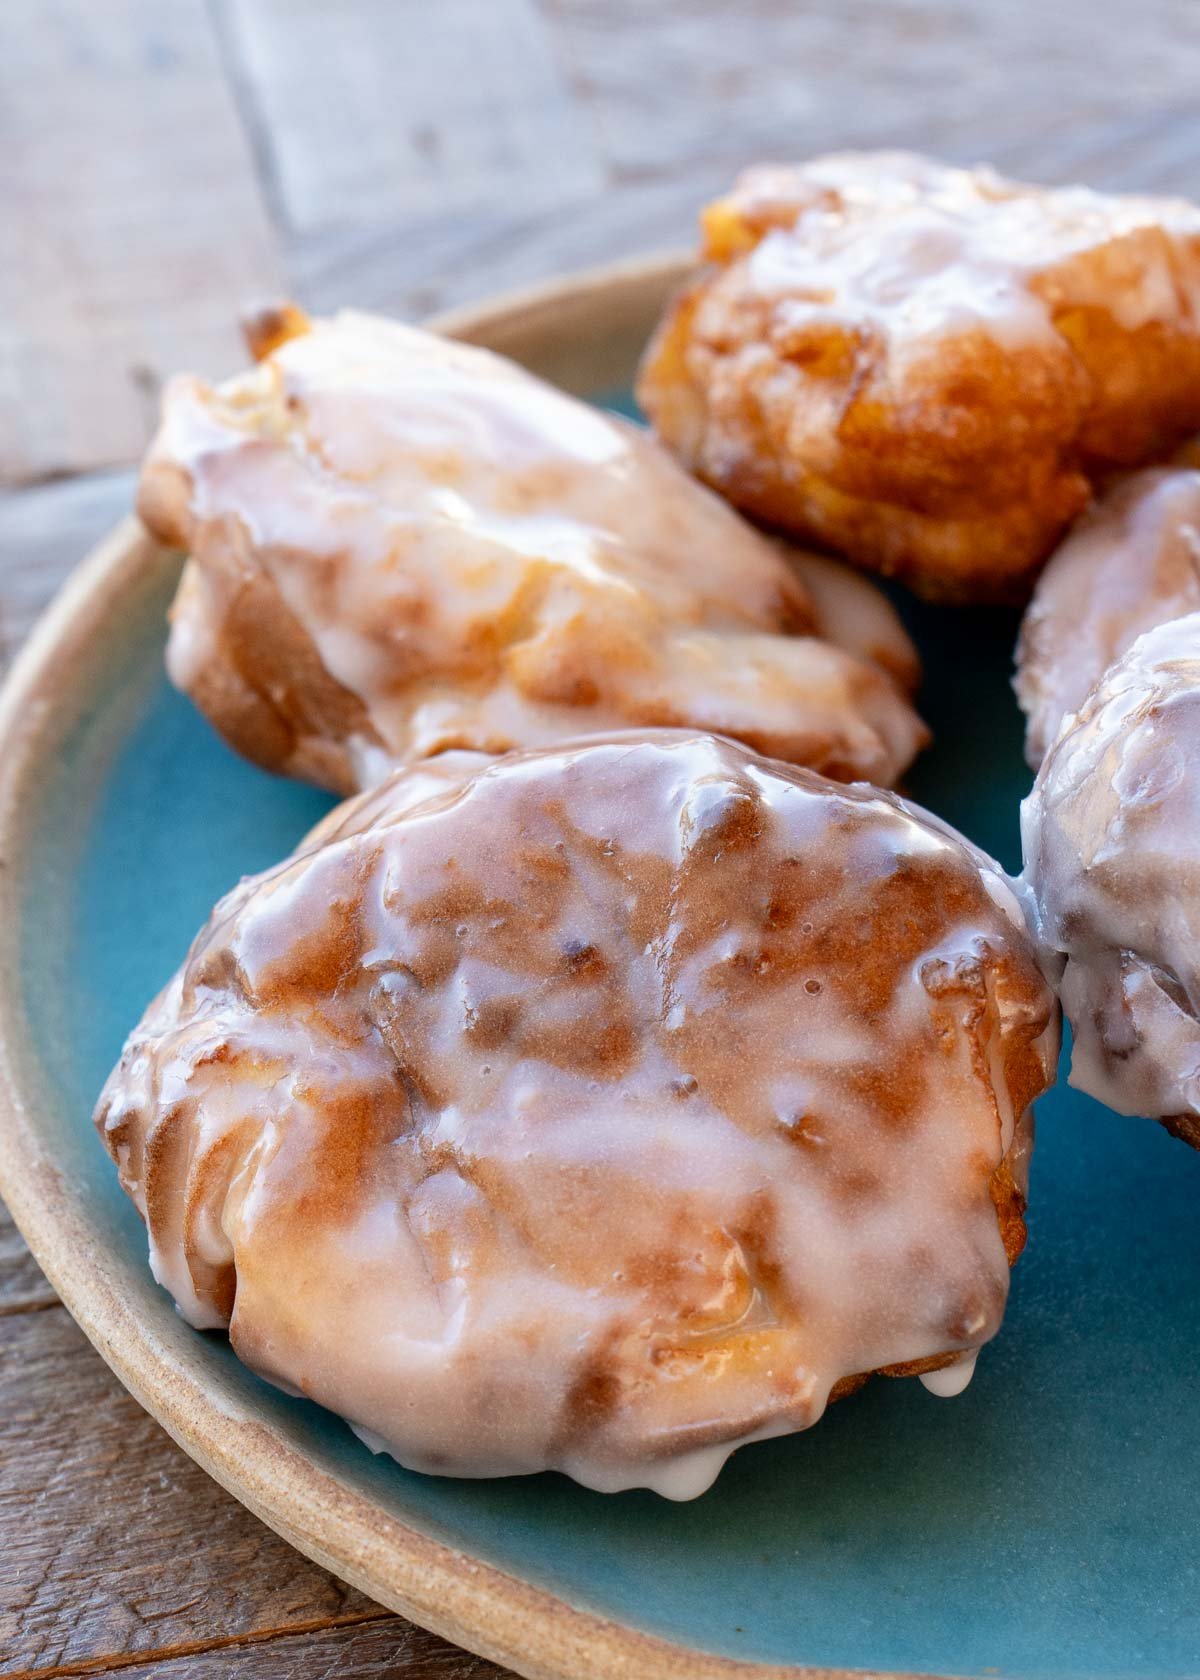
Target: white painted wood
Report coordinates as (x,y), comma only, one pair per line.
(45,531)
(680,81)
(131,224)
(367,111)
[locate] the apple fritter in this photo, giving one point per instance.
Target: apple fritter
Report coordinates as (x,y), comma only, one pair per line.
(923,367)
(399,546)
(1111,834)
(1133,561)
(598,1108)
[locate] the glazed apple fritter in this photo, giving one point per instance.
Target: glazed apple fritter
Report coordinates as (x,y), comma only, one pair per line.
(1112,855)
(400,546)
(597,1108)
(1132,562)
(923,367)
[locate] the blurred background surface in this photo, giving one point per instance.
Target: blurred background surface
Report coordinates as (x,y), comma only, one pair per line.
(161,165)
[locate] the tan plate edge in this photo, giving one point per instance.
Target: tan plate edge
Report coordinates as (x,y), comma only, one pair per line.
(474,1604)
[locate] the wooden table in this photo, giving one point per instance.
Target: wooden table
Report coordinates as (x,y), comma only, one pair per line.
(160,165)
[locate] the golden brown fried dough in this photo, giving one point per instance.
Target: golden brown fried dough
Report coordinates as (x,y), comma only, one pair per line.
(1132,562)
(400,546)
(923,367)
(600,1109)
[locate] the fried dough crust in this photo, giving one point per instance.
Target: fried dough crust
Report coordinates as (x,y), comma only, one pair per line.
(924,368)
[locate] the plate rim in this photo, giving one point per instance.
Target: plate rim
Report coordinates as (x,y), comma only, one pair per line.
(479,1606)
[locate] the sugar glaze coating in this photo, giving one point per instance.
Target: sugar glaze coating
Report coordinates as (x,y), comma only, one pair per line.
(850,612)
(1132,561)
(599,1109)
(1112,854)
(401,546)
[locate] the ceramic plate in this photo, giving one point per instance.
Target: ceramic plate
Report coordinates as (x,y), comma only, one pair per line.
(1046,1523)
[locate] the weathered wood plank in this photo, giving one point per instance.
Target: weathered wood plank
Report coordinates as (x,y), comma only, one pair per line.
(389,1649)
(133,224)
(365,111)
(45,531)
(115,1545)
(22,1286)
(684,81)
(428,263)
(423,262)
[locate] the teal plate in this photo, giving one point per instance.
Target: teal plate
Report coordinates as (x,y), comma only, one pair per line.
(1046,1523)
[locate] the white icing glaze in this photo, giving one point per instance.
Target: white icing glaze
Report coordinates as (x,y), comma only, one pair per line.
(1131,563)
(483,562)
(924,251)
(1112,847)
(952,1379)
(683,1477)
(853,614)
(599,1110)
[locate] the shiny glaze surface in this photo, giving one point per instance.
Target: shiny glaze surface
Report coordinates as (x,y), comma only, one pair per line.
(923,250)
(1112,845)
(1132,562)
(852,613)
(601,1109)
(401,545)
(923,367)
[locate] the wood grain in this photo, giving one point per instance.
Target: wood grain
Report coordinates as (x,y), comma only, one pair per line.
(710,88)
(364,112)
(683,81)
(389,1649)
(436,262)
(116,1545)
(22,1286)
(134,227)
(45,531)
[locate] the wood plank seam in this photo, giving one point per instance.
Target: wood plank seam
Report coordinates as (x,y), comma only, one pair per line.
(249,111)
(113,1664)
(136,222)
(34,1303)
